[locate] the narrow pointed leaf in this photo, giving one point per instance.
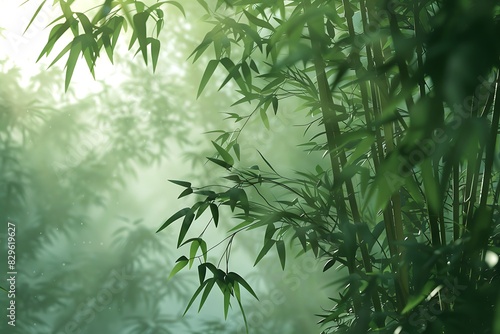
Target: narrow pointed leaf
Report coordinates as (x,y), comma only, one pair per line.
(141,33)
(186,223)
(267,162)
(236,148)
(116,24)
(204,249)
(275,104)
(56,32)
(76,48)
(61,54)
(267,246)
(193,298)
(264,118)
(215,213)
(220,163)
(35,15)
(329,264)
(243,314)
(202,271)
(280,247)
(227,302)
(209,71)
(223,153)
(181,263)
(181,183)
(192,251)
(237,278)
(186,192)
(155,51)
(174,217)
(258,22)
(210,285)
(236,289)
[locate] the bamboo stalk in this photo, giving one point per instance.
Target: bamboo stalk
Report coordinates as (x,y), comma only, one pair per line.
(393,215)
(490,146)
(350,189)
(332,130)
(456,201)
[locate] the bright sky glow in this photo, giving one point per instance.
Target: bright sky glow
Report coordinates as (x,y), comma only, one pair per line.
(23,48)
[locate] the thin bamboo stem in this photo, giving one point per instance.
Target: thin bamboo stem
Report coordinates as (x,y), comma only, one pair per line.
(490,146)
(332,130)
(393,215)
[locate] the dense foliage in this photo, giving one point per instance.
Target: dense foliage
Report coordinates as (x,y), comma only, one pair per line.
(402,99)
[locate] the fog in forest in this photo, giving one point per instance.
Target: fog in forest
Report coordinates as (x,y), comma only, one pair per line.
(85,179)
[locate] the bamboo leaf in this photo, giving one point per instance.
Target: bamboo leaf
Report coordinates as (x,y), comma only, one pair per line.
(202,208)
(181,263)
(267,246)
(181,183)
(106,42)
(234,74)
(192,251)
(204,4)
(280,247)
(203,247)
(140,20)
(267,162)
(159,24)
(258,22)
(202,271)
(245,70)
(155,51)
(116,24)
(85,22)
(57,31)
(227,301)
(66,9)
(215,213)
(236,289)
(329,264)
(242,312)
(417,299)
(186,192)
(236,149)
(76,48)
(220,163)
(264,118)
(186,224)
(209,286)
(237,278)
(209,71)
(35,15)
(174,217)
(275,104)
(62,53)
(103,12)
(223,153)
(197,292)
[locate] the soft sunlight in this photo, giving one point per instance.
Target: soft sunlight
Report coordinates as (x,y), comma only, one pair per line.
(22,47)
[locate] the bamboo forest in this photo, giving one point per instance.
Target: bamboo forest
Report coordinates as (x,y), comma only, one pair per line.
(250,167)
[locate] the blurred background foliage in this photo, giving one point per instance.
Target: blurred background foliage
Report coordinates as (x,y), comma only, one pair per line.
(84,178)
